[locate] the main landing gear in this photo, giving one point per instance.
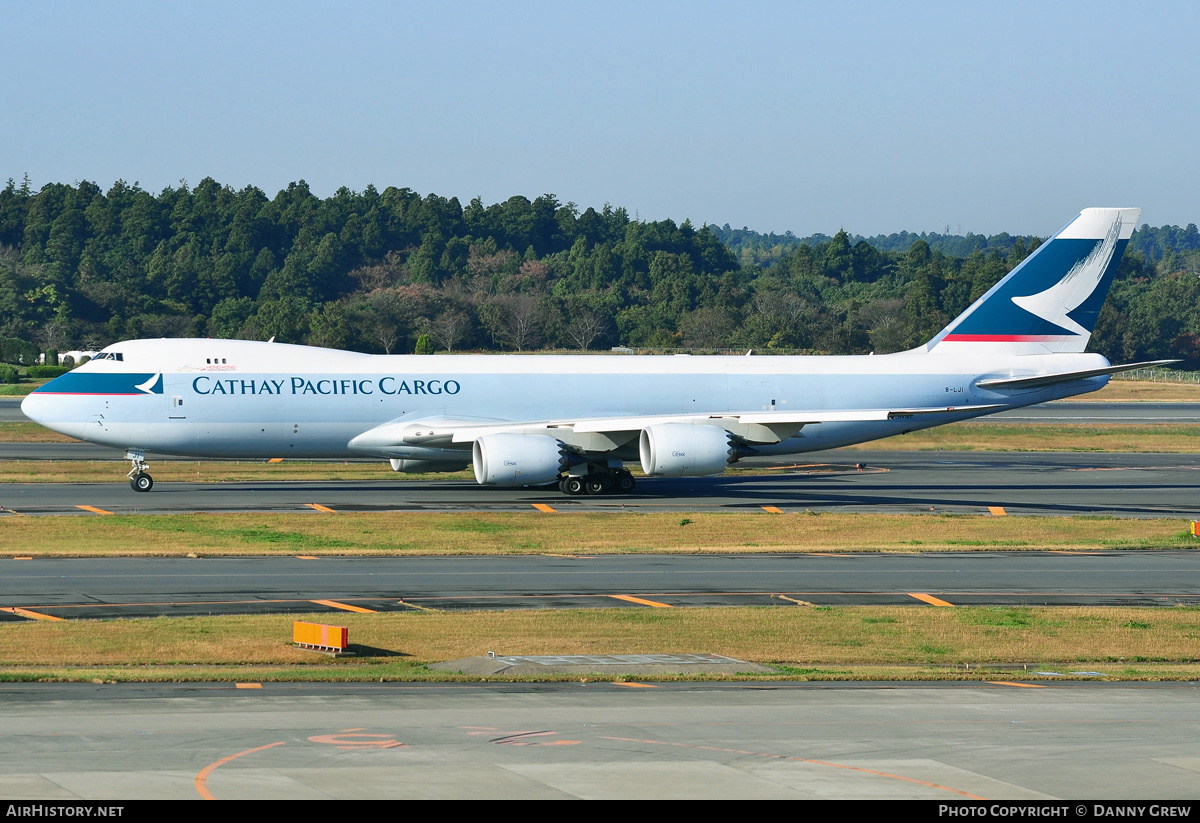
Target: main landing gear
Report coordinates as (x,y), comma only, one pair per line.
(600,480)
(139,479)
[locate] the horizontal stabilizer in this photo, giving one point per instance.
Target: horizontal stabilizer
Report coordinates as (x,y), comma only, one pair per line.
(1039,380)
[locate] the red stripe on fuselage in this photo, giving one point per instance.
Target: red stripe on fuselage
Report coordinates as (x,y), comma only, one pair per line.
(1009,338)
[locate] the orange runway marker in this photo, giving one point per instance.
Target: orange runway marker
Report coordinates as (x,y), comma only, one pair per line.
(542,507)
(929,598)
(631,599)
(306,557)
(333,604)
(320,508)
(637,685)
(247,685)
(202,778)
(349,739)
(275,460)
(772,509)
(1018,685)
(997,510)
(93,509)
(34,615)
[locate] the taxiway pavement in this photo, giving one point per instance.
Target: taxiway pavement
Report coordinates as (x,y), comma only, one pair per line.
(1016,483)
(82,588)
(946,743)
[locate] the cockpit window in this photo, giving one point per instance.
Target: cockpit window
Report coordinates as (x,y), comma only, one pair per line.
(109,355)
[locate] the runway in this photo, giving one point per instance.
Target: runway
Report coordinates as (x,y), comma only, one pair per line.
(1122,485)
(939,743)
(91,588)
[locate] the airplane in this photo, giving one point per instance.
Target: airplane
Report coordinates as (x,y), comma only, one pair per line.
(578,420)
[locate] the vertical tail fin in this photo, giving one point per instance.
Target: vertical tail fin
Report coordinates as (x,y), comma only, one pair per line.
(1049,303)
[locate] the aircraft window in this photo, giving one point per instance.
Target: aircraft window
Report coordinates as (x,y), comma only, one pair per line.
(208,360)
(118,356)
(222,361)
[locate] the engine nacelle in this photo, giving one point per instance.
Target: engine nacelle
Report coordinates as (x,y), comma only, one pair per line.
(518,459)
(684,450)
(422,466)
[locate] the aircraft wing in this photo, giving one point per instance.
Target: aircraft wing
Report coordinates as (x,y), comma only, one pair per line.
(606,433)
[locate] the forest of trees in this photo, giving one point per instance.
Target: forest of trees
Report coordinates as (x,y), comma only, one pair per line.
(374,271)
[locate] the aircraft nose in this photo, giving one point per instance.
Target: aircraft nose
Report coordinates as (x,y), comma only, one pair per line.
(34,407)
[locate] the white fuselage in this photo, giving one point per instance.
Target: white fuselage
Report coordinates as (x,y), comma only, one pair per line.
(225,398)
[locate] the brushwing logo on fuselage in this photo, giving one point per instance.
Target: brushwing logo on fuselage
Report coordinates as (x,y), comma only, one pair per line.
(152,386)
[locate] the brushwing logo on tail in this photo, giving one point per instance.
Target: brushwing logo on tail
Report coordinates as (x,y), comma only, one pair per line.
(1051,301)
(1055,304)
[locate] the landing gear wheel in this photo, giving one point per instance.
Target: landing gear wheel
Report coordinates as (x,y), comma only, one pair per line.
(598,483)
(625,483)
(141,482)
(571,485)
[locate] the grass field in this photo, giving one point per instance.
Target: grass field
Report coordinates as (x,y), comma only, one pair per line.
(1143,390)
(801,642)
(490,533)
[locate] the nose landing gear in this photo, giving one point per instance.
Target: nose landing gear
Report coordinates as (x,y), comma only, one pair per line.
(139,479)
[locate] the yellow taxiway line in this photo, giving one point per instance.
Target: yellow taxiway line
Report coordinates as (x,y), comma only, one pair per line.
(333,604)
(929,598)
(1018,685)
(631,599)
(33,615)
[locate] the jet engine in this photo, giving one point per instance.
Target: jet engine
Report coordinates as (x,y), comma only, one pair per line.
(684,450)
(518,459)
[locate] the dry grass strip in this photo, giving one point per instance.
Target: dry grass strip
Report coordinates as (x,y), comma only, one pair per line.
(458,533)
(796,638)
(1148,391)
(982,435)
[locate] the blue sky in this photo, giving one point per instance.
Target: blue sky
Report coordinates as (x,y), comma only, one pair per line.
(876,117)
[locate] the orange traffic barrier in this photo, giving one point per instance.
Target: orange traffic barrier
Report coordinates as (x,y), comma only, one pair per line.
(1196,528)
(320,637)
